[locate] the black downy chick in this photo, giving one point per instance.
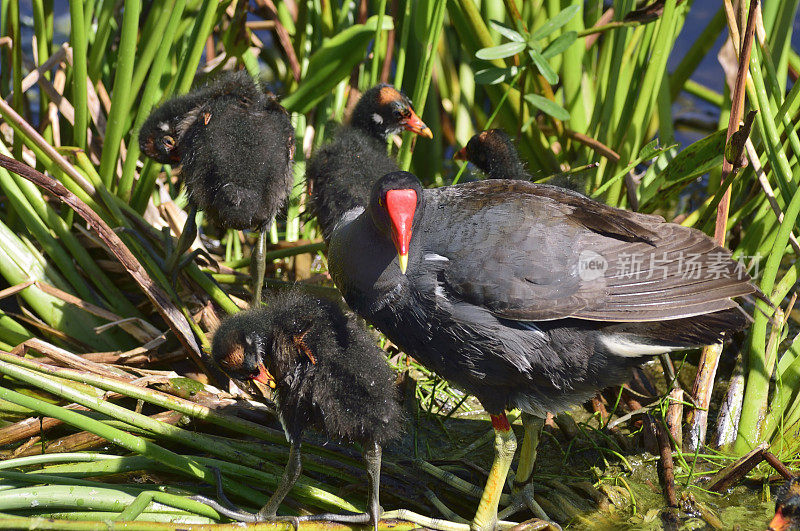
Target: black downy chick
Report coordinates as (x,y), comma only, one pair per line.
(341,173)
(236,146)
(165,126)
(493,152)
(787,507)
(327,373)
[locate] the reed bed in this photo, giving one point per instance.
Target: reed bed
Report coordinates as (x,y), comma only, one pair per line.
(110,409)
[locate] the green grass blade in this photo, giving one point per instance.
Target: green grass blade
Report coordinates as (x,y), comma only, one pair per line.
(120,99)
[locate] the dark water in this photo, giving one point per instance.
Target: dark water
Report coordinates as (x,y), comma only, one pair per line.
(709,73)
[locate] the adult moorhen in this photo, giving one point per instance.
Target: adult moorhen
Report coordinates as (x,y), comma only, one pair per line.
(341,173)
(529,296)
(235,144)
(494,154)
(787,507)
(327,374)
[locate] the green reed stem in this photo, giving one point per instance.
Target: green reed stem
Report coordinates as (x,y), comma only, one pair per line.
(120,99)
(151,90)
(203,24)
(422,85)
(43,43)
(99,45)
(378,44)
(400,66)
(16,69)
(304,490)
(185,465)
(699,49)
(80,100)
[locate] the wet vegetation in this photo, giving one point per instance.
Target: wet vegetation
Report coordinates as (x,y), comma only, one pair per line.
(110,409)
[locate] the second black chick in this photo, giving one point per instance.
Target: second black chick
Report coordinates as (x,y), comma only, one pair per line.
(787,507)
(493,152)
(327,373)
(341,173)
(235,145)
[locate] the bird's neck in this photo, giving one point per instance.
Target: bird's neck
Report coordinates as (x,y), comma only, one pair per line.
(364,119)
(508,168)
(361,261)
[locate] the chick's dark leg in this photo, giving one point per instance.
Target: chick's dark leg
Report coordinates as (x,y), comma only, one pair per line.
(268,512)
(261,266)
(188,234)
(372,458)
(289,478)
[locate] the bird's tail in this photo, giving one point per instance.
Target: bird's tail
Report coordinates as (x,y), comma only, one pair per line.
(658,337)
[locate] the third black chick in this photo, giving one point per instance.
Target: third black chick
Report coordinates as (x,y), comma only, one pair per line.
(327,374)
(235,145)
(493,152)
(341,173)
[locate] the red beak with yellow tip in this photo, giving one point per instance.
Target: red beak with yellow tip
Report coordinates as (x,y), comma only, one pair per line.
(264,376)
(414,124)
(401,206)
(461,154)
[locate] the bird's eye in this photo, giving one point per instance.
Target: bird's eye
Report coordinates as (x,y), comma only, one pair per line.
(380,202)
(398,114)
(168,142)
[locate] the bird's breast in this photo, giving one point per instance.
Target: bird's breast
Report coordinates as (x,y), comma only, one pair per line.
(363,264)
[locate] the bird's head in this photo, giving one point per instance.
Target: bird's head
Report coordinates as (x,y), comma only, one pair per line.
(787,507)
(239,349)
(278,343)
(161,134)
(490,150)
(394,203)
(383,110)
(159,142)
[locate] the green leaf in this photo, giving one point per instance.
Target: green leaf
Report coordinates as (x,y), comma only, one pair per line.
(695,160)
(543,66)
(548,106)
(560,45)
(494,75)
(649,151)
(506,32)
(333,62)
(527,124)
(499,52)
(556,22)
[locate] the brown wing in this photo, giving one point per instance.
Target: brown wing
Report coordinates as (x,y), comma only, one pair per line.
(533,252)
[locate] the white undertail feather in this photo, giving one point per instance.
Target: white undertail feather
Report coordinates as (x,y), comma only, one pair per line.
(627,345)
